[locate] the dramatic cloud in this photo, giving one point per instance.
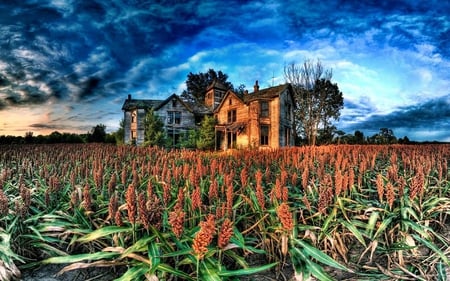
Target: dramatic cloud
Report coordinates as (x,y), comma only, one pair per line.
(67,65)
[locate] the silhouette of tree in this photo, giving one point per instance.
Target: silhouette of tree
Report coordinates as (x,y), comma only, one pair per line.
(98,133)
(197,83)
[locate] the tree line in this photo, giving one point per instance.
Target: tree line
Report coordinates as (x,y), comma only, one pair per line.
(96,134)
(318,104)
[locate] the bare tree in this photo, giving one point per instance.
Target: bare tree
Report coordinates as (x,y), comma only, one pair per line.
(318,101)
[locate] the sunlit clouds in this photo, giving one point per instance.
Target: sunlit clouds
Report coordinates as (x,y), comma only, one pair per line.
(68,65)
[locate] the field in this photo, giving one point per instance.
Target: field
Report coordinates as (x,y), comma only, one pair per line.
(331,212)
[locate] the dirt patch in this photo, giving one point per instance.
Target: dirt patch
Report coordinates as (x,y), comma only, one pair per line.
(50,273)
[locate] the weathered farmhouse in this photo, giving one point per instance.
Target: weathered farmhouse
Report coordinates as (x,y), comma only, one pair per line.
(178,117)
(261,119)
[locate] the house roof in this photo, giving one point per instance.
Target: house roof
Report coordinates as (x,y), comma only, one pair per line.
(194,107)
(131,104)
(267,93)
(216,84)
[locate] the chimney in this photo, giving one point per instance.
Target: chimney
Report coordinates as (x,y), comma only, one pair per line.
(256,87)
(129,97)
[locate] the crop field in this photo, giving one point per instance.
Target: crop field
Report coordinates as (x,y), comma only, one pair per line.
(323,213)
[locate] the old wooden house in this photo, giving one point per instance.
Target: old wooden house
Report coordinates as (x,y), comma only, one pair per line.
(261,119)
(178,117)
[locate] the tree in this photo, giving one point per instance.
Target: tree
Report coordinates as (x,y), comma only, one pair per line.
(318,100)
(206,138)
(98,133)
(154,130)
(29,137)
(359,137)
(120,133)
(385,136)
(197,83)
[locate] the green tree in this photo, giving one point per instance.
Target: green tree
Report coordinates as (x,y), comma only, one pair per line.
(189,139)
(197,83)
(359,137)
(120,133)
(97,134)
(318,100)
(206,139)
(154,130)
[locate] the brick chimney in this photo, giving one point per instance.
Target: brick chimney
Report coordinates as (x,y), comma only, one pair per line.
(129,97)
(256,87)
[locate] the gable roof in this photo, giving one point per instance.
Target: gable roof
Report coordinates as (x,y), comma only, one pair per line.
(131,104)
(268,93)
(194,107)
(173,96)
(229,92)
(216,84)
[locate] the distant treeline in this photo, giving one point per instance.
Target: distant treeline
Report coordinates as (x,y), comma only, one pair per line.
(97,134)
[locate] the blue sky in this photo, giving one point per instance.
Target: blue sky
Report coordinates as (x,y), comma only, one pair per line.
(68,65)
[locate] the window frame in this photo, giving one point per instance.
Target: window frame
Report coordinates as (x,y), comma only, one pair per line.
(264,111)
(264,135)
(231,116)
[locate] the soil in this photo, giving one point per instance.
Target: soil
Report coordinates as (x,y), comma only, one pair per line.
(50,273)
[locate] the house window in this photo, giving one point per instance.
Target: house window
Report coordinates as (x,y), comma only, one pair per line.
(133,135)
(232,116)
(174,103)
(264,109)
(133,117)
(173,117)
(230,101)
(287,136)
(264,133)
(288,111)
(231,140)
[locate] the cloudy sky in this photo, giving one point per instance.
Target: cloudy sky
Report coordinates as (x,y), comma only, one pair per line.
(68,65)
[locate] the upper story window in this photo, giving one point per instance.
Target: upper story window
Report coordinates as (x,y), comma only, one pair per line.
(264,112)
(288,109)
(232,116)
(174,103)
(230,101)
(173,117)
(133,117)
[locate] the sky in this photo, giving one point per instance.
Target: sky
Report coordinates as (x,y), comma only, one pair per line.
(68,65)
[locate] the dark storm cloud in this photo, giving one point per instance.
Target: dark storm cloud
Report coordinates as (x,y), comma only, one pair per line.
(80,50)
(396,23)
(432,115)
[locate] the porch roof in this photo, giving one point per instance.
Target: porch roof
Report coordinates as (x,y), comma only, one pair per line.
(233,127)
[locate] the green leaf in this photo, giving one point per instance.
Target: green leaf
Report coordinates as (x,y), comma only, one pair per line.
(355,231)
(383,225)
(102,232)
(372,222)
(317,271)
(432,247)
(154,255)
(81,257)
(442,274)
(134,273)
(246,271)
(167,268)
(318,255)
(140,245)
